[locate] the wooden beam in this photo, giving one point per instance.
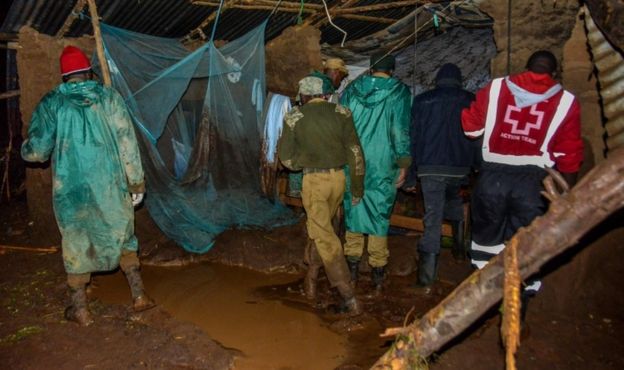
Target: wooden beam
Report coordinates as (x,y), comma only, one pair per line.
(406,222)
(199,31)
(9,94)
(320,16)
(47,250)
(269,3)
(382,6)
(261,7)
(99,44)
(4,36)
(80,4)
(11,45)
(366,18)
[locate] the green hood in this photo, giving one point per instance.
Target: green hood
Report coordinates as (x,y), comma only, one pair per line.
(370,90)
(83,93)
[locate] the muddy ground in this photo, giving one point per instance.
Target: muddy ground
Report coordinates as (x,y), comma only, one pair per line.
(34,335)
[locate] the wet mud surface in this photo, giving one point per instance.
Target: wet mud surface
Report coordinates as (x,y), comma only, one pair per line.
(214,314)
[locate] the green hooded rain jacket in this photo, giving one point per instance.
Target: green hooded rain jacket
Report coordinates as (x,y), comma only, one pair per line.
(381,111)
(86,129)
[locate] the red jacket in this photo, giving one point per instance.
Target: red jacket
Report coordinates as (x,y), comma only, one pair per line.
(527,119)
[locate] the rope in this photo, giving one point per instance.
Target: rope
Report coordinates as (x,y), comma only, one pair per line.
(275,9)
(300,15)
(214,26)
(332,23)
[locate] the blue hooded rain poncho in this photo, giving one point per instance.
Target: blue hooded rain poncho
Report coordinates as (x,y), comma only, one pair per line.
(87,130)
(381,112)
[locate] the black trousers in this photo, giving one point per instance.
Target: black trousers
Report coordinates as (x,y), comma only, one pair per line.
(505,199)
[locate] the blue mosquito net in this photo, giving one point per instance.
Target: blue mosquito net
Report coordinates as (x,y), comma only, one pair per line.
(198,118)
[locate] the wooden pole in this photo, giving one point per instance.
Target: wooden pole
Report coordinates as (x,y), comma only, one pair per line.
(320,17)
(9,94)
(52,249)
(569,217)
(99,44)
(73,14)
(269,3)
(260,7)
(367,18)
(382,6)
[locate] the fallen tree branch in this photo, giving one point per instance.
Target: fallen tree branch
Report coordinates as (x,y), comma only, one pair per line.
(594,198)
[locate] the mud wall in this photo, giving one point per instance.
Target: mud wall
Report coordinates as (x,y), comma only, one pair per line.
(290,57)
(535,25)
(39,72)
(585,276)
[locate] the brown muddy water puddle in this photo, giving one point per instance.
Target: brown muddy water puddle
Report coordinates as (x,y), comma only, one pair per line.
(222,301)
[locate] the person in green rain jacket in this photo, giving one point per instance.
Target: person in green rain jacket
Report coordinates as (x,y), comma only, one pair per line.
(381,112)
(97,178)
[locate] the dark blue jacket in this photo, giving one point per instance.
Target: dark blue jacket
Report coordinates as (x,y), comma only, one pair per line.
(438,143)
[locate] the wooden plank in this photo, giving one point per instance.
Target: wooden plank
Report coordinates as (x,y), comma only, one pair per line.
(52,249)
(9,94)
(406,222)
(366,18)
(4,36)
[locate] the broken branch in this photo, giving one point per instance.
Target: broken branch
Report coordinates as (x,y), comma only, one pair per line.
(596,196)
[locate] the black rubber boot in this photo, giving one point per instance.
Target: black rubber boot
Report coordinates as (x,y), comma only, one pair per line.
(78,311)
(354,268)
(378,276)
(459,249)
(140,300)
(427,268)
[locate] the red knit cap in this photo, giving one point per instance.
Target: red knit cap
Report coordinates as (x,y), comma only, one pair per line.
(73,60)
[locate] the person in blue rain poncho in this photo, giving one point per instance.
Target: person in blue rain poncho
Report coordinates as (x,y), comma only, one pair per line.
(97,178)
(381,111)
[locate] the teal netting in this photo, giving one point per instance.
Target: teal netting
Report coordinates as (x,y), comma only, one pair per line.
(199,118)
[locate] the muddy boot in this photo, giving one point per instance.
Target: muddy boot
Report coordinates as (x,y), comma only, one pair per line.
(309,283)
(352,307)
(427,269)
(354,268)
(350,304)
(378,276)
(459,251)
(140,300)
(78,311)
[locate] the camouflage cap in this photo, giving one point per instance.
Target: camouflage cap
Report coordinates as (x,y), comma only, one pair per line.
(311,86)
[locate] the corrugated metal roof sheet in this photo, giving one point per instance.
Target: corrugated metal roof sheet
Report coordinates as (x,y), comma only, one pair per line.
(176,18)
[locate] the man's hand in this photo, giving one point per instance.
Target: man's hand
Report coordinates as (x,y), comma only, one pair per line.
(355,201)
(401,179)
(137,198)
(411,189)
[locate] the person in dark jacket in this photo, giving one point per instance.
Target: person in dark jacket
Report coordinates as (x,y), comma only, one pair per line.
(442,159)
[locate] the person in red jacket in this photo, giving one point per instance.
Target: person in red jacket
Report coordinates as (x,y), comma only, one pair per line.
(528,122)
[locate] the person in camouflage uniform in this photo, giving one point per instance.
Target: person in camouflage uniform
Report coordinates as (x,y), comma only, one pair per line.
(319,138)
